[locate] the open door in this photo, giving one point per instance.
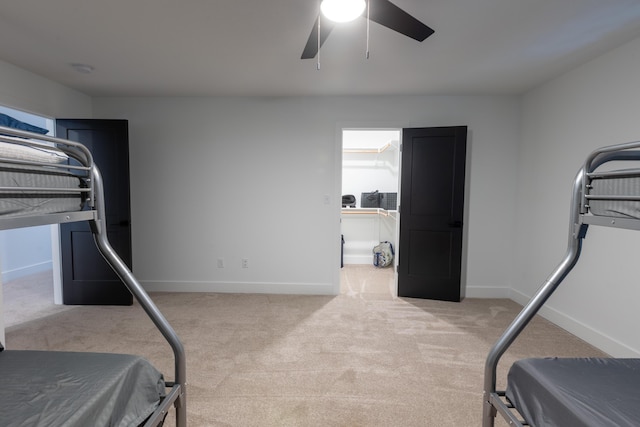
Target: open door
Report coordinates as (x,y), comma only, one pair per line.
(432,212)
(86,276)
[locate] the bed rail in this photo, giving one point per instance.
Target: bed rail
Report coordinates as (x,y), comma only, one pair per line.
(601,156)
(57,155)
(581,216)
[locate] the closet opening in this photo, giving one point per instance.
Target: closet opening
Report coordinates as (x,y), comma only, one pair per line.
(369,213)
(30,270)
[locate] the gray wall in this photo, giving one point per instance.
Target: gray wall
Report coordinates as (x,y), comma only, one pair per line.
(594,105)
(246,178)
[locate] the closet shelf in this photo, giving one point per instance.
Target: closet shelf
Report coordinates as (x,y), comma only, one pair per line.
(369,211)
(369,150)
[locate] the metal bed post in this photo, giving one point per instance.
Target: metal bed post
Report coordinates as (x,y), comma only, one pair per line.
(178,392)
(577,233)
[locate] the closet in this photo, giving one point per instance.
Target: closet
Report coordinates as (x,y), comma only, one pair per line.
(370,173)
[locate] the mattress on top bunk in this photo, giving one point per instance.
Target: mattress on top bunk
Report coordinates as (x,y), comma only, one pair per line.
(20,202)
(619,186)
(48,174)
(16,151)
(50,388)
(576,392)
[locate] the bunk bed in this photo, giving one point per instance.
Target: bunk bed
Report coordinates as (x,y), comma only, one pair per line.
(574,391)
(48,180)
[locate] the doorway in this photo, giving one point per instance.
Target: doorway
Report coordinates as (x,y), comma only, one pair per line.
(429,180)
(369,215)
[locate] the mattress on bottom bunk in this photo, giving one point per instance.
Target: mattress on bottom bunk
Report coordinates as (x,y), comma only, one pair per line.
(627,186)
(20,202)
(50,388)
(576,392)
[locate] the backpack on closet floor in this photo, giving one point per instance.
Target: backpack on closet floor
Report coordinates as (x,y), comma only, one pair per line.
(383,254)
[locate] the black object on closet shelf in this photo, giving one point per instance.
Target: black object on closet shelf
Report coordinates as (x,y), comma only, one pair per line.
(370,200)
(388,201)
(348,201)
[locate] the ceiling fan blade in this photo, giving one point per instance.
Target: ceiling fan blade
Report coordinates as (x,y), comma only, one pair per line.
(311,48)
(391,16)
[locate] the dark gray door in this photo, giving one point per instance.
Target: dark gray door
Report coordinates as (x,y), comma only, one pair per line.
(431,212)
(86,276)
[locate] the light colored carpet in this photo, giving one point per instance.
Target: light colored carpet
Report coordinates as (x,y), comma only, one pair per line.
(363,358)
(29,297)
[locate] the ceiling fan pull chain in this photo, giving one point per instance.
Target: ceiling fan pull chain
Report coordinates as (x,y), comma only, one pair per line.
(368,21)
(319,19)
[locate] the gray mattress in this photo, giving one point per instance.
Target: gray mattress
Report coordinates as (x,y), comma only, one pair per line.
(18,202)
(627,186)
(48,388)
(576,392)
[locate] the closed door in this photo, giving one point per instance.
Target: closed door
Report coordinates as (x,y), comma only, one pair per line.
(431,212)
(86,276)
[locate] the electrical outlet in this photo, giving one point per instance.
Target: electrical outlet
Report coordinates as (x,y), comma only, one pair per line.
(245,263)
(220,262)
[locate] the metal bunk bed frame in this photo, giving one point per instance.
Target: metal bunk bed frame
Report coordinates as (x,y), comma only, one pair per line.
(96,216)
(580,219)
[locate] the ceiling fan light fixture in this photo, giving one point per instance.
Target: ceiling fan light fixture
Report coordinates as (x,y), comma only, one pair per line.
(342,10)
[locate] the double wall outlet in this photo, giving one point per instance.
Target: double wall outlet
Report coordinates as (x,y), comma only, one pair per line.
(244,263)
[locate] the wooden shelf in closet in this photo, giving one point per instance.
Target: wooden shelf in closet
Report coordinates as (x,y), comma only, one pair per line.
(378,150)
(369,211)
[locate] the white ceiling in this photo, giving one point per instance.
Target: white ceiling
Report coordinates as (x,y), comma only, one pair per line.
(251,47)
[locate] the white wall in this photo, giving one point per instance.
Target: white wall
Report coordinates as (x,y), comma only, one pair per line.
(29,92)
(26,250)
(594,105)
(246,177)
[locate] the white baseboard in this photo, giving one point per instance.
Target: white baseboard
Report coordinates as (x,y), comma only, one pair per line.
(240,287)
(358,259)
(17,273)
(486,292)
(579,329)
(568,323)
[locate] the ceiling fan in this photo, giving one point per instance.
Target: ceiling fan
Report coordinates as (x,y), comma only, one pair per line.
(381,11)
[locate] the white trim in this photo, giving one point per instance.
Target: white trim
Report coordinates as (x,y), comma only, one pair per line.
(594,337)
(56,257)
(487,292)
(239,287)
(26,270)
(358,259)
